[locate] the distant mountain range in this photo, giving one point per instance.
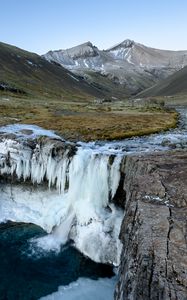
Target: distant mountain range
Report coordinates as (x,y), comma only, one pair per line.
(129,66)
(85,72)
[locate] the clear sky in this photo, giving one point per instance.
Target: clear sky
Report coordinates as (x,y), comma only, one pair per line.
(43,25)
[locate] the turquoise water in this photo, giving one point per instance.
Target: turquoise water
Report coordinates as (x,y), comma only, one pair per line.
(28,275)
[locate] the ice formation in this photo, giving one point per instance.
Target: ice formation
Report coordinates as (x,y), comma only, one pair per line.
(76,203)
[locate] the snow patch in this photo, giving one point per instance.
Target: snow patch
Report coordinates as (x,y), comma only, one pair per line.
(73,77)
(85,63)
(31,63)
(157,198)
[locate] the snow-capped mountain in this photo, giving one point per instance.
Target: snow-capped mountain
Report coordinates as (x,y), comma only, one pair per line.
(122,51)
(147,57)
(130,64)
(85,56)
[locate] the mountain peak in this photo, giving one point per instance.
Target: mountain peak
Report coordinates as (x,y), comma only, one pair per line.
(89,44)
(86,49)
(127,43)
(85,45)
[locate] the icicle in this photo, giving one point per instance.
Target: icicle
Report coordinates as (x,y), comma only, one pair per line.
(115,175)
(79,208)
(62,175)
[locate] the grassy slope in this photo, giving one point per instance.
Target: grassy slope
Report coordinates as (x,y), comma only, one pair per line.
(39,78)
(108,86)
(174,84)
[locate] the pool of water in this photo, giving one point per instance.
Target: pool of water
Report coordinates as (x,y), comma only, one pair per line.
(26,273)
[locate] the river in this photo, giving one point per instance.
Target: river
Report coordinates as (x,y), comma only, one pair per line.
(80,217)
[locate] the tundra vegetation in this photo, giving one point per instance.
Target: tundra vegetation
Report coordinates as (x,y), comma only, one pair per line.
(88,120)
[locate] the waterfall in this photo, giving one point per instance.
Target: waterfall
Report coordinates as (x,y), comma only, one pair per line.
(76,204)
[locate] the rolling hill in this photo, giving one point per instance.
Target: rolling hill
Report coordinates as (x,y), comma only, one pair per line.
(29,74)
(173,85)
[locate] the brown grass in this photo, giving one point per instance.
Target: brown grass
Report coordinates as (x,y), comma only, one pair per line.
(79,122)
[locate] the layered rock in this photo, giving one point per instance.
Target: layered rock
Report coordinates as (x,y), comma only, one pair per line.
(154,229)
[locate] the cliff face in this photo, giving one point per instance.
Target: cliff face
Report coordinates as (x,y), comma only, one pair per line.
(154,229)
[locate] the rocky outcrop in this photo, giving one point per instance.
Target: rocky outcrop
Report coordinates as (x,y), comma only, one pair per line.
(154,229)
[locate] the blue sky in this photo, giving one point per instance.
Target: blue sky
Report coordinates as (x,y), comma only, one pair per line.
(42,25)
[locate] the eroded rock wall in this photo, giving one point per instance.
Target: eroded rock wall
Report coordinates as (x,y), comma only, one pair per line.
(154,229)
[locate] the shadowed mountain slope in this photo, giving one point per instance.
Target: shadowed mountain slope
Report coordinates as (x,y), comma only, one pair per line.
(174,84)
(28,73)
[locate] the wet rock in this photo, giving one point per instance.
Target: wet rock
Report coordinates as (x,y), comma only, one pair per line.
(7,136)
(26,131)
(58,147)
(154,229)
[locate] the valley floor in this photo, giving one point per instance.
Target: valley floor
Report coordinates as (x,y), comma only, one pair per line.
(88,121)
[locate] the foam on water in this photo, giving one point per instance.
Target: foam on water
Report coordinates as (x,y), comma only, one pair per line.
(85,289)
(26,130)
(28,274)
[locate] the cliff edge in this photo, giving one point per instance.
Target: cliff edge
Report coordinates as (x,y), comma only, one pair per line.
(154,229)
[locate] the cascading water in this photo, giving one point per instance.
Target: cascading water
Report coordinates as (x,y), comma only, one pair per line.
(76,204)
(67,190)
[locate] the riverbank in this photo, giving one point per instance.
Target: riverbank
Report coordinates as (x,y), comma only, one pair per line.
(89,121)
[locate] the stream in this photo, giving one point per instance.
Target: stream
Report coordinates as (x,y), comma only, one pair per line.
(37,266)
(172,139)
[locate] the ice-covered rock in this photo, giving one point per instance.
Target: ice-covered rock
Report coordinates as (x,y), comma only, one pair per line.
(75,204)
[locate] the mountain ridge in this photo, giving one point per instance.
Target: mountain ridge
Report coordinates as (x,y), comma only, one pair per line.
(33,75)
(173,85)
(132,65)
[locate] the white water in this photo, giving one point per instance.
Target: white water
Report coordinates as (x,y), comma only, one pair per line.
(85,289)
(75,206)
(81,211)
(26,130)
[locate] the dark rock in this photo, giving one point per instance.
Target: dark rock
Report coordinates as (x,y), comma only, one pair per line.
(154,229)
(26,131)
(120,196)
(7,87)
